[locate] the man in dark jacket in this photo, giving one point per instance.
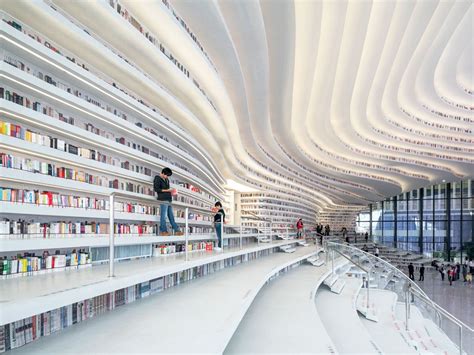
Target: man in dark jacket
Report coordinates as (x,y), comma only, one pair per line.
(422,273)
(161,185)
(411,271)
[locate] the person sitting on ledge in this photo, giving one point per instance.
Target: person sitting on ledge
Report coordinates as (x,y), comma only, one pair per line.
(161,185)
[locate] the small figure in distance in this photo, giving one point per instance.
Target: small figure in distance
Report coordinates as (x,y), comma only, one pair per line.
(161,185)
(219,218)
(299,228)
(442,271)
(422,273)
(376,251)
(411,271)
(366,236)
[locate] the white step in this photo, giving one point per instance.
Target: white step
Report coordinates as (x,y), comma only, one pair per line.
(331,279)
(303,243)
(319,262)
(288,248)
(338,286)
(312,258)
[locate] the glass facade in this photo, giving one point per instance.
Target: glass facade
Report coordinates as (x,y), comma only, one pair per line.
(437,221)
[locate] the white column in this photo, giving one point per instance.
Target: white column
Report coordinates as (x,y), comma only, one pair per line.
(111,235)
(186,233)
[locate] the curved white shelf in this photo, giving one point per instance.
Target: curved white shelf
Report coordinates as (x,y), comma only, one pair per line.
(23,297)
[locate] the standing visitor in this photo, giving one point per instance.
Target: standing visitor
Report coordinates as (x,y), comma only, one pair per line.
(442,271)
(327,230)
(422,273)
(161,185)
(366,236)
(376,251)
(471,266)
(451,274)
(411,271)
(344,234)
(464,271)
(219,218)
(299,228)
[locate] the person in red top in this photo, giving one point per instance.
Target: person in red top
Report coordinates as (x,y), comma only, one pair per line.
(451,273)
(299,228)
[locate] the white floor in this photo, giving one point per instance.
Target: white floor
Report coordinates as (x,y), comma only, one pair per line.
(197,316)
(340,318)
(23,297)
(423,333)
(283,317)
(386,330)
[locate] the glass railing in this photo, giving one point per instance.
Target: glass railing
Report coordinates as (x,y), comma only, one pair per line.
(383,275)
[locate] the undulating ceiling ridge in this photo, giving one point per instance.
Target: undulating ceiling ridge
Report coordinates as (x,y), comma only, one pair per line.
(334,103)
(363,113)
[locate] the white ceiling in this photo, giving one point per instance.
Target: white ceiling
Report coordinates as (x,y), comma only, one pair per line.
(339,96)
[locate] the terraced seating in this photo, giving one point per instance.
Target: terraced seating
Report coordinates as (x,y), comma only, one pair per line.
(287,248)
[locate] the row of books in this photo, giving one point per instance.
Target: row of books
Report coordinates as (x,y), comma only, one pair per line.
(45,108)
(30,263)
(22,228)
(24,331)
(17,131)
(173,248)
(49,198)
(45,168)
(31,103)
(48,44)
(21,332)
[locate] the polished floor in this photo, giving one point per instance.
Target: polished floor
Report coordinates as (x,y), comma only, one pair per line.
(457,299)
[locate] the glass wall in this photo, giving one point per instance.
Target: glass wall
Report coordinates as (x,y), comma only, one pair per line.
(437,221)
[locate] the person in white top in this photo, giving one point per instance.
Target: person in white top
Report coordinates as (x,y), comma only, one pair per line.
(471,266)
(376,251)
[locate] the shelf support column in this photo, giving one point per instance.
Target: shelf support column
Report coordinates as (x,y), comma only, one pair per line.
(111,235)
(222,231)
(186,233)
(241,230)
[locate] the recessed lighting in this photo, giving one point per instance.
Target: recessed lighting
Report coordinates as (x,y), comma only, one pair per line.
(443,180)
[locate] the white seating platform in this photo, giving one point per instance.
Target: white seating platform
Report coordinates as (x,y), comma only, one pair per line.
(302,242)
(338,286)
(423,333)
(331,279)
(339,316)
(197,316)
(288,248)
(316,260)
(386,330)
(283,318)
(26,296)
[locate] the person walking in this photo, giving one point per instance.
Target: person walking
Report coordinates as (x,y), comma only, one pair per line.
(161,185)
(411,271)
(422,273)
(442,271)
(376,251)
(464,271)
(219,218)
(451,274)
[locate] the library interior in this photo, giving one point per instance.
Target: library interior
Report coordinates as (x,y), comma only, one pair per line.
(237,177)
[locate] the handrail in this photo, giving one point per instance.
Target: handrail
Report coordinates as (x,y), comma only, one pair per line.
(380,260)
(412,287)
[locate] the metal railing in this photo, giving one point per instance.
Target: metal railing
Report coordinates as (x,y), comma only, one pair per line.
(387,276)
